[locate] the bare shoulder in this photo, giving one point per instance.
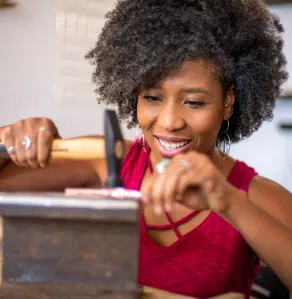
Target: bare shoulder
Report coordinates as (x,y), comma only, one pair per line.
(272,197)
(100,165)
(263,187)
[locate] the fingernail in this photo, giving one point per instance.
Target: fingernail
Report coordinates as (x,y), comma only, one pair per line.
(157,209)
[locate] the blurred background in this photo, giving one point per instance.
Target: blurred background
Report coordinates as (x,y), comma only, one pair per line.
(43,73)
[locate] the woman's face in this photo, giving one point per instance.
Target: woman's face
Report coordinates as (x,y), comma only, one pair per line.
(184,111)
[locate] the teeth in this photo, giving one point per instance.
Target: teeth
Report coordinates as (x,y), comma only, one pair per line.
(172,146)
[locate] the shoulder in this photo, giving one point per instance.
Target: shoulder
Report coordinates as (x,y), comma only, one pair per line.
(271,197)
(263,187)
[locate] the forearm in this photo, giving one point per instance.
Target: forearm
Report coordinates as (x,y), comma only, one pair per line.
(269,238)
(56,176)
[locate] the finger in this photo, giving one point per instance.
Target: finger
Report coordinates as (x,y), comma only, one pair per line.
(157,190)
(44,145)
(9,142)
(170,185)
(21,152)
(146,189)
(189,190)
(216,196)
(187,179)
(31,154)
(194,200)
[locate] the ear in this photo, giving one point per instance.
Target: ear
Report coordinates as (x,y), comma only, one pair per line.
(228,103)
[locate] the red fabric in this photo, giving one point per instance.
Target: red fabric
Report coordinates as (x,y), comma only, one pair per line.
(210,260)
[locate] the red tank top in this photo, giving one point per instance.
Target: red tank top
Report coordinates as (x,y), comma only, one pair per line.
(210,260)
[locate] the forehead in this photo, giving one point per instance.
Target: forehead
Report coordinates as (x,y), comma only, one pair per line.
(192,71)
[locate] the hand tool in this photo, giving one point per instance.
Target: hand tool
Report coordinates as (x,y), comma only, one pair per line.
(88,148)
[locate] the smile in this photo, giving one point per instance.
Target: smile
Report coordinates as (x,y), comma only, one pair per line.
(172,145)
(171,148)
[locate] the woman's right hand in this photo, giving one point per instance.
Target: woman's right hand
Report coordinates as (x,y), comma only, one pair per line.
(29,141)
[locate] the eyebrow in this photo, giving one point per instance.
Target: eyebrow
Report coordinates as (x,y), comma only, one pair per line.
(188,90)
(195,90)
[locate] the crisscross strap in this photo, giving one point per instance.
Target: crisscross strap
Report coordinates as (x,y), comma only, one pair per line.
(172,225)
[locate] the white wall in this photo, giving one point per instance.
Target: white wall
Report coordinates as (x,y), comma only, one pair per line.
(42,66)
(78,25)
(27,46)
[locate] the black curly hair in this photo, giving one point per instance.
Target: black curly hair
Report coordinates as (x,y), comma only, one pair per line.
(144,40)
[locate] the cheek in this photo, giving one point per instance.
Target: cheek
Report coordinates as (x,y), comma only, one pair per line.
(146,115)
(207,124)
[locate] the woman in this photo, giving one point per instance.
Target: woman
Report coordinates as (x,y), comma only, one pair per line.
(191,74)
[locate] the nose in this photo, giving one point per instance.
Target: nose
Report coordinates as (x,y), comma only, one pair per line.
(170,118)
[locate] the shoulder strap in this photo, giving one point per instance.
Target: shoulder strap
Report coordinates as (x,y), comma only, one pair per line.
(241,175)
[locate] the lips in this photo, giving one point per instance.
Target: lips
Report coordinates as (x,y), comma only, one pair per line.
(170,147)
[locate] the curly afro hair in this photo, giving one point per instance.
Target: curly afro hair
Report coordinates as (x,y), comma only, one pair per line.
(144,40)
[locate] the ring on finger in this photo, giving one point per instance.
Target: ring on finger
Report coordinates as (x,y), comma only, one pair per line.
(11,149)
(185,164)
(160,167)
(45,128)
(27,142)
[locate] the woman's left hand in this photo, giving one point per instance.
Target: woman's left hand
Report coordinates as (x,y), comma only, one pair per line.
(191,179)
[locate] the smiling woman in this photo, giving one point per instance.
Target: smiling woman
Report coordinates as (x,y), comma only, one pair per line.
(191,74)
(184,112)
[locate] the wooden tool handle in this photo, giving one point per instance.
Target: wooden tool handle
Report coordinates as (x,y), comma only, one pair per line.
(86,148)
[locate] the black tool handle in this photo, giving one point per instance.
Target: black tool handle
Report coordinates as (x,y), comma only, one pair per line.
(114,148)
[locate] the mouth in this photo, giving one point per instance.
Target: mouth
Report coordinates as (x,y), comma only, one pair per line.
(170,147)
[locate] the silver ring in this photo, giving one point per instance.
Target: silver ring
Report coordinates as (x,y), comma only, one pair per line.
(11,149)
(185,163)
(45,128)
(159,168)
(26,142)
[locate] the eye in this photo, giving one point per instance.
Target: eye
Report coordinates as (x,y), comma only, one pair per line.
(152,99)
(195,104)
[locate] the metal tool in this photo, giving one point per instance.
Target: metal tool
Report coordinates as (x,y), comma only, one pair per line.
(57,246)
(114,148)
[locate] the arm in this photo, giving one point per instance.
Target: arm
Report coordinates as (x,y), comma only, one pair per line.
(56,176)
(264,218)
